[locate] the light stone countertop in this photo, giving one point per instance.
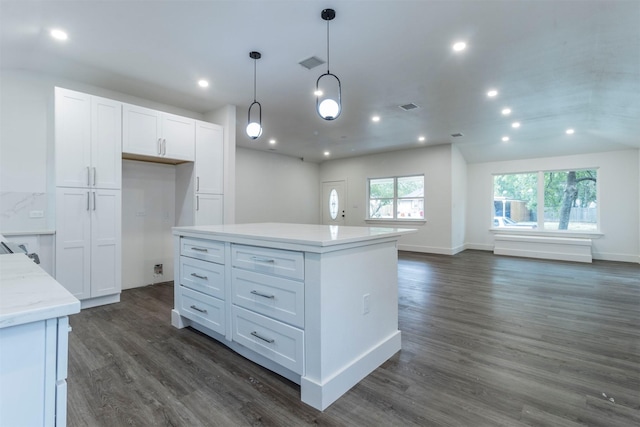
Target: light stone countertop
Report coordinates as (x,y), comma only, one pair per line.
(305,234)
(28,294)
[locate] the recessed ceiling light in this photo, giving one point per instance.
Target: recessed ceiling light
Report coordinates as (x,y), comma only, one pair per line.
(459,46)
(326,153)
(515,125)
(570,131)
(506,111)
(492,93)
(375,118)
(59,34)
(272,141)
(505,138)
(203,83)
(421,138)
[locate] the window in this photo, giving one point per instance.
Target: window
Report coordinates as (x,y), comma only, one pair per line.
(546,200)
(396,198)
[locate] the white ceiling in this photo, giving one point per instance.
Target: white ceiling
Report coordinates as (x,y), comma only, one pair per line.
(557,64)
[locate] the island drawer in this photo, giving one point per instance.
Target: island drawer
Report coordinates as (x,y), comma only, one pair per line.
(277,262)
(203,309)
(205,250)
(274,340)
(202,276)
(281,299)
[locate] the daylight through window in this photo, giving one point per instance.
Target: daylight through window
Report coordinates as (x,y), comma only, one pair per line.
(546,200)
(400,198)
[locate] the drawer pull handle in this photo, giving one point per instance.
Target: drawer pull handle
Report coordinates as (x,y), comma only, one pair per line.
(254,292)
(257,335)
(199,276)
(260,259)
(198,309)
(200,249)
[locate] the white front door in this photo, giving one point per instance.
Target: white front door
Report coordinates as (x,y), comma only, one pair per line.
(333,203)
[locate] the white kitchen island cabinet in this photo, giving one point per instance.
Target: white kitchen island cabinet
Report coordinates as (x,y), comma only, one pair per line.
(34,331)
(316,304)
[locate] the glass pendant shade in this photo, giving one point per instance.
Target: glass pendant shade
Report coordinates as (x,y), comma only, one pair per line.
(254,130)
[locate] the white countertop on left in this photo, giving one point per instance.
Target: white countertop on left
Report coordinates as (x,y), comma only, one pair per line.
(29,294)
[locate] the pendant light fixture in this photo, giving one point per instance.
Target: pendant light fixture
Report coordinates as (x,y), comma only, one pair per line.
(328,103)
(254,129)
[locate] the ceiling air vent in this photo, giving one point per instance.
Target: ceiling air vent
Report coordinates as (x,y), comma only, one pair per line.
(311,62)
(456,135)
(409,106)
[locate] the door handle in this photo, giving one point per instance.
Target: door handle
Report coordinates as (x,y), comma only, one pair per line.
(88,176)
(197,203)
(164,147)
(94,200)
(88,200)
(159,146)
(197,183)
(94,176)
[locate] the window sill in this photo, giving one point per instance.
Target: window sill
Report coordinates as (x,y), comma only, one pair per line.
(549,233)
(396,221)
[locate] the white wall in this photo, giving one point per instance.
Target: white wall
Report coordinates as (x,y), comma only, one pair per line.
(458,200)
(275,188)
(435,234)
(148,213)
(619,186)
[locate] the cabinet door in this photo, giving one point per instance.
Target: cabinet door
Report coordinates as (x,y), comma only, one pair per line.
(209,209)
(73,240)
(106,143)
(141,131)
(72,138)
(209,158)
(178,137)
(106,231)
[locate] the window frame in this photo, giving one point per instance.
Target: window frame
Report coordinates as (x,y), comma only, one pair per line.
(540,230)
(395,199)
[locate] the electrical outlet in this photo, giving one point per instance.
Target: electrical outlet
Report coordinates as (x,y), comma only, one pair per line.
(157,269)
(366,303)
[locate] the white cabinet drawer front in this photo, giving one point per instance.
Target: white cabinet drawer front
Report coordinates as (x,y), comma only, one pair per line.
(205,310)
(202,276)
(274,340)
(275,297)
(205,250)
(269,261)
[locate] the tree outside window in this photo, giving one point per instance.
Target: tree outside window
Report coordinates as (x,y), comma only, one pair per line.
(566,200)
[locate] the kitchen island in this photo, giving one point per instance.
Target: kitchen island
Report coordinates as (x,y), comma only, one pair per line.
(34,330)
(316,304)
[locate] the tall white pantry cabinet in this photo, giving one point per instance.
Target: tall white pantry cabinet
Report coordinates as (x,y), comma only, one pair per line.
(200,185)
(88,153)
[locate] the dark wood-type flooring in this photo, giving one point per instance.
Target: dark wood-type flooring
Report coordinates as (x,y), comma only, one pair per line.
(486,341)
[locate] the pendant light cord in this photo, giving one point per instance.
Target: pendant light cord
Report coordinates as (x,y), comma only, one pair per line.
(254,79)
(328,47)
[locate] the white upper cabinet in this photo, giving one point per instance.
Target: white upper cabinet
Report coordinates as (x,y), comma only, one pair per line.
(152,133)
(88,138)
(141,131)
(209,171)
